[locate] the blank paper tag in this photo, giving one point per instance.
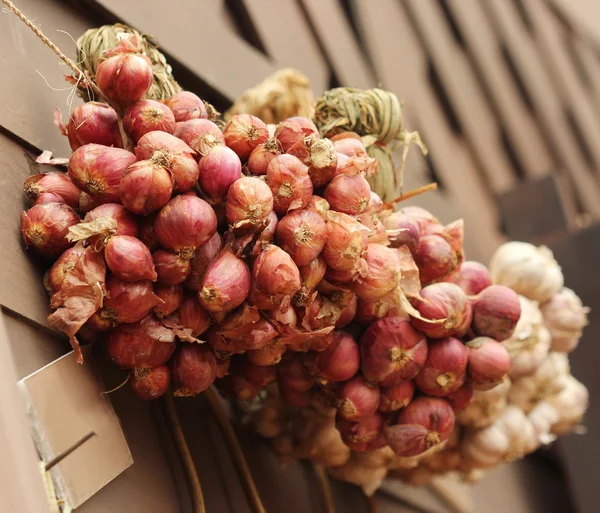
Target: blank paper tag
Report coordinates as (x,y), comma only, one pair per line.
(64,402)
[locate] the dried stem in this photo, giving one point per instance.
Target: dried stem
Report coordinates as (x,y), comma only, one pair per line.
(372,506)
(325,487)
(237,454)
(185,454)
(411,194)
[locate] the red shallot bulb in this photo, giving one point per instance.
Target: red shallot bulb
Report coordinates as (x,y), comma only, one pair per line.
(349,144)
(358,399)
(145,187)
(97,170)
(402,230)
(269,354)
(147,234)
(369,311)
(57,273)
(392,351)
(223,367)
(361,433)
(460,399)
(338,362)
(424,218)
(320,157)
(185,223)
(472,277)
(292,375)
(347,313)
(53,182)
(186,105)
(302,233)
(375,202)
(150,384)
(173,154)
(129,259)
(45,228)
(397,396)
(170,268)
(193,369)
(124,77)
(199,134)
(318,204)
(243,133)
(262,155)
(310,274)
(274,273)
(423,424)
(382,275)
(289,182)
(131,347)
(172,297)
(94,122)
(346,241)
(219,168)
(249,202)
(193,316)
(443,302)
(126,223)
(348,194)
(225,284)
(496,311)
(48,197)
(294,129)
(127,302)
(146,116)
(268,234)
(489,362)
(445,367)
(344,277)
(203,255)
(435,258)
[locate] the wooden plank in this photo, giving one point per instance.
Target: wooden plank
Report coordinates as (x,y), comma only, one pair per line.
(584,13)
(546,103)
(201,39)
(390,40)
(520,124)
(564,75)
(21,486)
(340,44)
(481,130)
(32,83)
(21,272)
(591,64)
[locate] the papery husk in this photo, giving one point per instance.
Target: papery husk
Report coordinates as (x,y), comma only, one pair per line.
(485,406)
(80,296)
(571,404)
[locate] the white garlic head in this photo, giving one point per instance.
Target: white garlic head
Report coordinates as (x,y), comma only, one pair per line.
(527,391)
(571,404)
(530,343)
(565,317)
(485,406)
(542,418)
(529,270)
(508,438)
(355,472)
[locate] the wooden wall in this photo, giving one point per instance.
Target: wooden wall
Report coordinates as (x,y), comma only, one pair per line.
(506,93)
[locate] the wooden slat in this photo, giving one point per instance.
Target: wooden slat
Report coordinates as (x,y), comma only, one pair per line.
(390,40)
(585,14)
(521,126)
(464,92)
(545,100)
(27,103)
(564,74)
(592,69)
(339,42)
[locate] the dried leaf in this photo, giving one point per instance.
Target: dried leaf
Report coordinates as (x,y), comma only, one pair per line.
(58,121)
(80,296)
(168,331)
(46,158)
(404,303)
(409,273)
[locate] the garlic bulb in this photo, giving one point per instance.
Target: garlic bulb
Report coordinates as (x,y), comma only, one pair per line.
(529,344)
(570,404)
(319,440)
(485,406)
(356,472)
(270,419)
(565,317)
(510,437)
(527,391)
(529,270)
(418,476)
(542,418)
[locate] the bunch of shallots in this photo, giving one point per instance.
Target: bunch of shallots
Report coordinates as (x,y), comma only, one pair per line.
(259,257)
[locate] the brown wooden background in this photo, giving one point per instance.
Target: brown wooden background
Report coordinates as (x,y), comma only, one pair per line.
(506,93)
